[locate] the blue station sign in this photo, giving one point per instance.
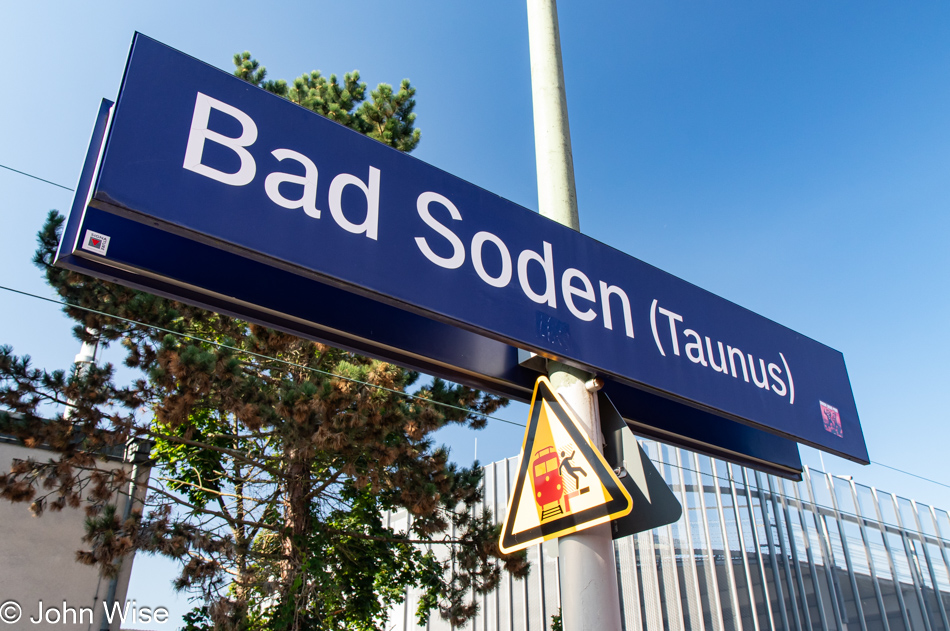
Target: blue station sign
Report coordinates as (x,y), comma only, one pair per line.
(196,155)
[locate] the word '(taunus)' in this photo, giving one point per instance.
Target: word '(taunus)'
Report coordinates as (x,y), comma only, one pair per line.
(728,360)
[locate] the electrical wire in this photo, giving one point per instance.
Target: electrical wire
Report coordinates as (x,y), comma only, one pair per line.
(36,177)
(914,475)
(357,381)
(493,418)
(258,355)
(412,396)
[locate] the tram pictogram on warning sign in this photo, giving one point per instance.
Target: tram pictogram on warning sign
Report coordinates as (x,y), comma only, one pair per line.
(564,484)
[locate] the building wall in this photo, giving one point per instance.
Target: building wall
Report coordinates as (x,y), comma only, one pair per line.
(38,556)
(751,552)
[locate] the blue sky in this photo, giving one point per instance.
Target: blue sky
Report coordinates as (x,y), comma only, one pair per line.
(793,158)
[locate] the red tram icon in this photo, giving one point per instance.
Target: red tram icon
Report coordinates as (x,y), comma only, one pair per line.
(548,486)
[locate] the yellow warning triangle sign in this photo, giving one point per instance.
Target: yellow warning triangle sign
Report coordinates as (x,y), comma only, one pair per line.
(564,484)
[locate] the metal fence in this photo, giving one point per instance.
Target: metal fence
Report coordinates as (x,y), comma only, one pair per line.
(751,552)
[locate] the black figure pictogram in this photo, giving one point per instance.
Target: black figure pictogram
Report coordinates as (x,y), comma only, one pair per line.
(570,469)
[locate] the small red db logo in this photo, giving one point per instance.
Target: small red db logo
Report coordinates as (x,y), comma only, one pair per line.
(832,419)
(96,242)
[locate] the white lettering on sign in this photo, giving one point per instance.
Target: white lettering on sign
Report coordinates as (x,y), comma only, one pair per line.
(293,190)
(538,276)
(308,200)
(570,291)
(504,277)
(547,264)
(194,153)
(200,133)
(606,291)
(722,359)
(458,250)
(575,285)
(370,225)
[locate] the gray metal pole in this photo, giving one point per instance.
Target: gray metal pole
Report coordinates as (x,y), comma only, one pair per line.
(590,598)
(557,198)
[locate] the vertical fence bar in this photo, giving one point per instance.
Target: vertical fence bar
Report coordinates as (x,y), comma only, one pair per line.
(671,583)
(786,554)
(650,582)
(756,542)
(629,585)
(671,588)
(913,564)
(712,581)
(694,598)
(809,556)
(727,550)
(827,552)
(941,543)
(905,616)
(767,524)
(930,569)
(847,554)
(867,551)
(743,551)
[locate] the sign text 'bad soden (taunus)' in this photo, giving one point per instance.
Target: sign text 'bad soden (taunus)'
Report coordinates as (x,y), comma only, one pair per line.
(577,292)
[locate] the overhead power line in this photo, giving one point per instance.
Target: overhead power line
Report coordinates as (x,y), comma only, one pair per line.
(36,177)
(914,475)
(330,374)
(285,362)
(493,418)
(412,396)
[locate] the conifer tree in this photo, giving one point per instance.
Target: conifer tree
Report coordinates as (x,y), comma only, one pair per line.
(275,458)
